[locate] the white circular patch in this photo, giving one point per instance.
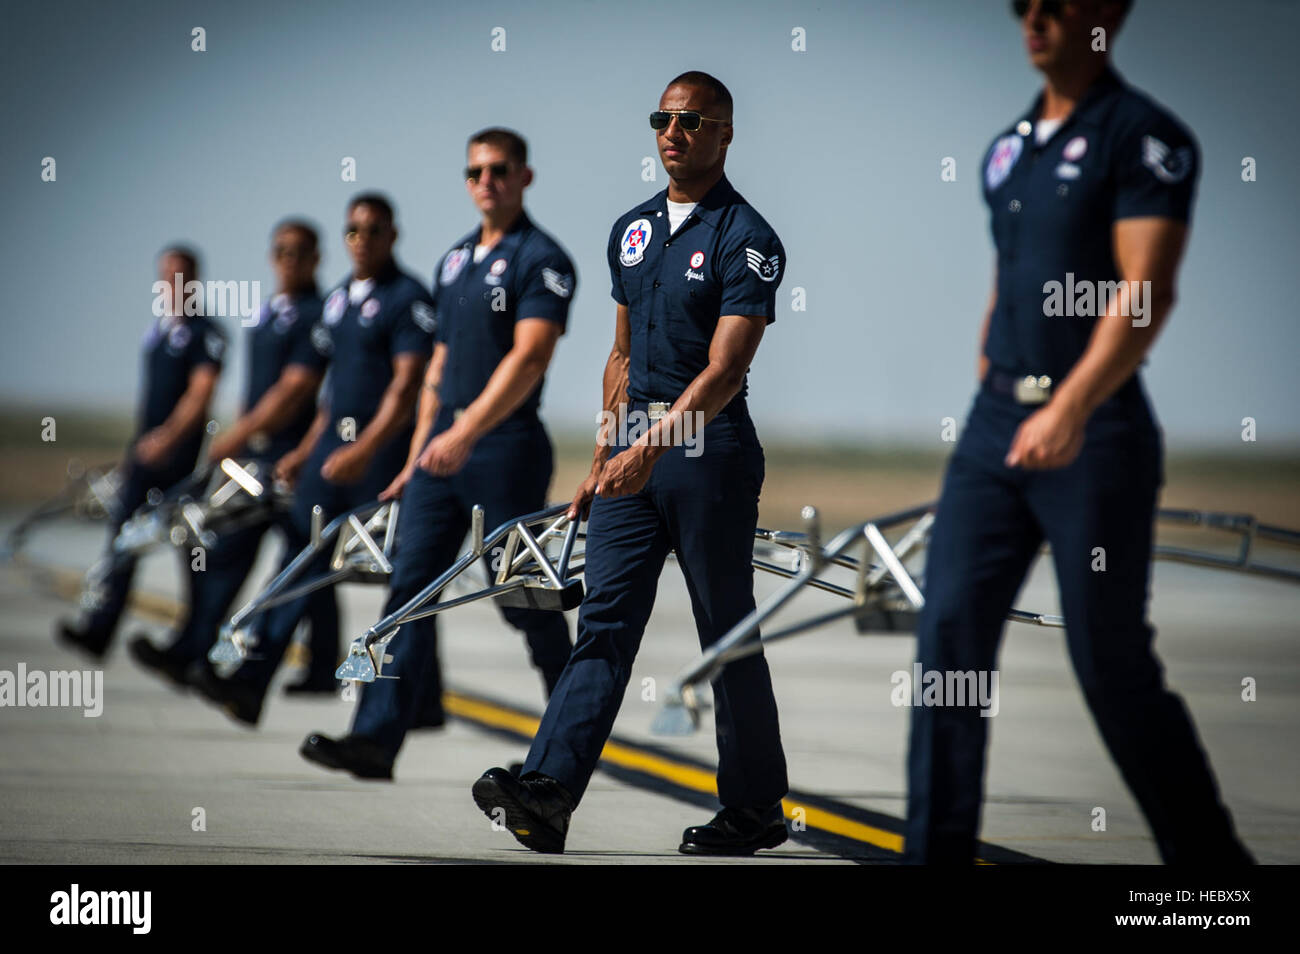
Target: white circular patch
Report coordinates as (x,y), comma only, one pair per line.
(1075,148)
(370,308)
(636,238)
(498,266)
(1024,128)
(335,306)
(452,264)
(1005,153)
(697,260)
(178,338)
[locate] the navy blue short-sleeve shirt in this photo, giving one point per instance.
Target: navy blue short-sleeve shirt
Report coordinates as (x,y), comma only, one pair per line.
(527,274)
(396,317)
(288,332)
(1053,208)
(724,259)
(173,348)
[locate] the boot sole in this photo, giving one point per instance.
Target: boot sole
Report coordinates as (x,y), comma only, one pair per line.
(768,840)
(528,831)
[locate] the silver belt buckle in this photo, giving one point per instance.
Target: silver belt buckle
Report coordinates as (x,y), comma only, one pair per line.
(657,409)
(1033,390)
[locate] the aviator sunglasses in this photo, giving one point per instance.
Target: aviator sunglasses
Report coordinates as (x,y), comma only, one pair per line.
(688,119)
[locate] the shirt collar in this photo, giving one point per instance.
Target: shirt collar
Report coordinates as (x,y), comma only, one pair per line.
(1108,81)
(721,195)
(521,222)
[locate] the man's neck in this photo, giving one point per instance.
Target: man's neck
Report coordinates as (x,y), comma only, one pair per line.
(693,190)
(1064,89)
(497,224)
(363,275)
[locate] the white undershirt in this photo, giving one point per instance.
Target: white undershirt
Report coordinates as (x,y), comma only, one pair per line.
(480,252)
(359,289)
(1044,129)
(677,213)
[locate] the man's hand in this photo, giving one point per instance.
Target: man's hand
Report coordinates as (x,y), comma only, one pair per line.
(582,498)
(627,472)
(447,453)
(288,467)
(227,445)
(394,490)
(345,465)
(1051,437)
(153,448)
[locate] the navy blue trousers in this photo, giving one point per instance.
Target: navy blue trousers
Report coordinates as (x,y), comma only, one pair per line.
(101,623)
(990,525)
(706,509)
(507,475)
(276,626)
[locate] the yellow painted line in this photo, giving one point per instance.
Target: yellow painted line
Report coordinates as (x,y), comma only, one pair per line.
(687,776)
(486,713)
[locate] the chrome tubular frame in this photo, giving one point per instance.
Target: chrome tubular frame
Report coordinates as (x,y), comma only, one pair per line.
(876,598)
(362,540)
(90,493)
(526,575)
(208,503)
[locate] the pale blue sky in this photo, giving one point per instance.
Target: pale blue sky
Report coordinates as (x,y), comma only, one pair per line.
(838,147)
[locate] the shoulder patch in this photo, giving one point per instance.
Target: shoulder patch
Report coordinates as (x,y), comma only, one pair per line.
(765,267)
(561,285)
(422,315)
(1170,166)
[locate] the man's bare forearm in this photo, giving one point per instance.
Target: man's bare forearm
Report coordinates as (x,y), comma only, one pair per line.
(188,415)
(319,425)
(614,388)
(395,410)
(277,406)
(426,412)
(1114,352)
(515,377)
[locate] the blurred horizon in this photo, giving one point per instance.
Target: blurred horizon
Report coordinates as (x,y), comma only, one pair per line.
(839,147)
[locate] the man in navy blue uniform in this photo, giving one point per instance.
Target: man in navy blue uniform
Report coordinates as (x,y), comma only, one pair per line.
(1090,191)
(180,367)
(380,323)
(502,297)
(695,271)
(287,354)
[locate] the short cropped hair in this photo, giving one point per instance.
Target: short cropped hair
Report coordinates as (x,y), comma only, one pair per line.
(377,201)
(302,227)
(721,95)
(185,252)
(505,139)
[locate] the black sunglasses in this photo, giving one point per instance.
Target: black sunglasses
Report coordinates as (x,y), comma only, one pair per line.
(498,169)
(688,119)
(353,231)
(290,251)
(1049,8)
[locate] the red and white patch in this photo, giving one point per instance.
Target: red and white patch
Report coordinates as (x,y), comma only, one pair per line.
(1074,149)
(369,308)
(498,266)
(697,260)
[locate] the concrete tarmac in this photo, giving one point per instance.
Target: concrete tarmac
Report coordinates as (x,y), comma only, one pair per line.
(124,787)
